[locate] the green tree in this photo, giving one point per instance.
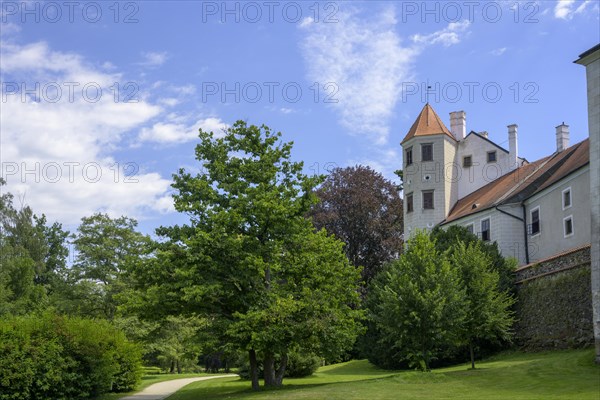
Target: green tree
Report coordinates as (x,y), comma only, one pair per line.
(22,252)
(488,315)
(106,247)
(364,210)
(417,303)
(249,259)
(448,239)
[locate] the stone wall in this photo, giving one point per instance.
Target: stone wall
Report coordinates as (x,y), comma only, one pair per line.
(554,302)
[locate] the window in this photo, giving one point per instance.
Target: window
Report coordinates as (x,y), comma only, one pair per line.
(535,221)
(467,161)
(428,200)
(568,225)
(485,230)
(409,159)
(427,152)
(491,156)
(409,203)
(469,228)
(566,198)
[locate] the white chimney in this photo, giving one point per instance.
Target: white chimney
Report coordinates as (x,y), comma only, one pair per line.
(458,124)
(513,151)
(562,137)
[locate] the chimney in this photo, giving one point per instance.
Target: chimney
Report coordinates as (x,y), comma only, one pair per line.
(562,137)
(458,124)
(512,146)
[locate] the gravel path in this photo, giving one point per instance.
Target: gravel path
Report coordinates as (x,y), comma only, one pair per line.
(162,390)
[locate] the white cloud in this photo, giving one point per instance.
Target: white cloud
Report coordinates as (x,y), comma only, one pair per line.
(565,9)
(498,52)
(154,59)
(447,36)
(306,21)
(58,154)
(178,132)
(368,62)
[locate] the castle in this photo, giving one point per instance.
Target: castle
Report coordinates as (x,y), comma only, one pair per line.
(535,211)
(531,209)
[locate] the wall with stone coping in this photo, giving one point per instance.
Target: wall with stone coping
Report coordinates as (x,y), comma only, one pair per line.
(554,303)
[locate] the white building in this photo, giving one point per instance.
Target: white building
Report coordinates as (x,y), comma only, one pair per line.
(591,60)
(533,210)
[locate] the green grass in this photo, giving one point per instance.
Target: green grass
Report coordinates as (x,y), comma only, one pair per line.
(148,380)
(553,375)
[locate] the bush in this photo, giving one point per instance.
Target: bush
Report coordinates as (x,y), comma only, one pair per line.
(53,357)
(299,365)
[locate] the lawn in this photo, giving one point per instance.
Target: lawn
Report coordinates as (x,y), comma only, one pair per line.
(148,380)
(551,375)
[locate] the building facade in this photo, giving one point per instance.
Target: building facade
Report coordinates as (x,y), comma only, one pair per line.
(591,60)
(532,210)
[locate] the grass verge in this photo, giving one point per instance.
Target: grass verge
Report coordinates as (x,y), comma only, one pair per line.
(148,380)
(532,376)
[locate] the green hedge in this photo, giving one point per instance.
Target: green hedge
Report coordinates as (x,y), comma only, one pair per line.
(54,357)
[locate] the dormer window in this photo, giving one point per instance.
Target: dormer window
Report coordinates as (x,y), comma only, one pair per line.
(427,152)
(491,156)
(467,161)
(409,158)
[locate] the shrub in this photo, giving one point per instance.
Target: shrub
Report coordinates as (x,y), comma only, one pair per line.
(299,365)
(53,357)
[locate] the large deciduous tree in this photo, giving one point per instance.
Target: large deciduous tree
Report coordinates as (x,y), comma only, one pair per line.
(488,315)
(249,259)
(106,247)
(363,209)
(32,258)
(449,238)
(417,304)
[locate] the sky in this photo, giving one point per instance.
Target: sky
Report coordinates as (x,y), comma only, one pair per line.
(102,101)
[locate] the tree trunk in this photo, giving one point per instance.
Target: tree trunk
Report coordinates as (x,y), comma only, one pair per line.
(253,369)
(472,355)
(172,370)
(281,370)
(178,367)
(269,369)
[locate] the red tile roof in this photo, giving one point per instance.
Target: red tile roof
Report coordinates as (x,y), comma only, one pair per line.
(427,123)
(523,182)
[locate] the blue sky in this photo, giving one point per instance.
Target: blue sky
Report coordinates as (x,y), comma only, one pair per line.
(122,87)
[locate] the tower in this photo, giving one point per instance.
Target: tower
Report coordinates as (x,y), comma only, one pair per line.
(429,150)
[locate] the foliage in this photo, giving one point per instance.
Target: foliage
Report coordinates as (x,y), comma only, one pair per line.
(488,315)
(364,210)
(448,238)
(52,357)
(299,365)
(417,303)
(32,258)
(249,262)
(302,364)
(106,247)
